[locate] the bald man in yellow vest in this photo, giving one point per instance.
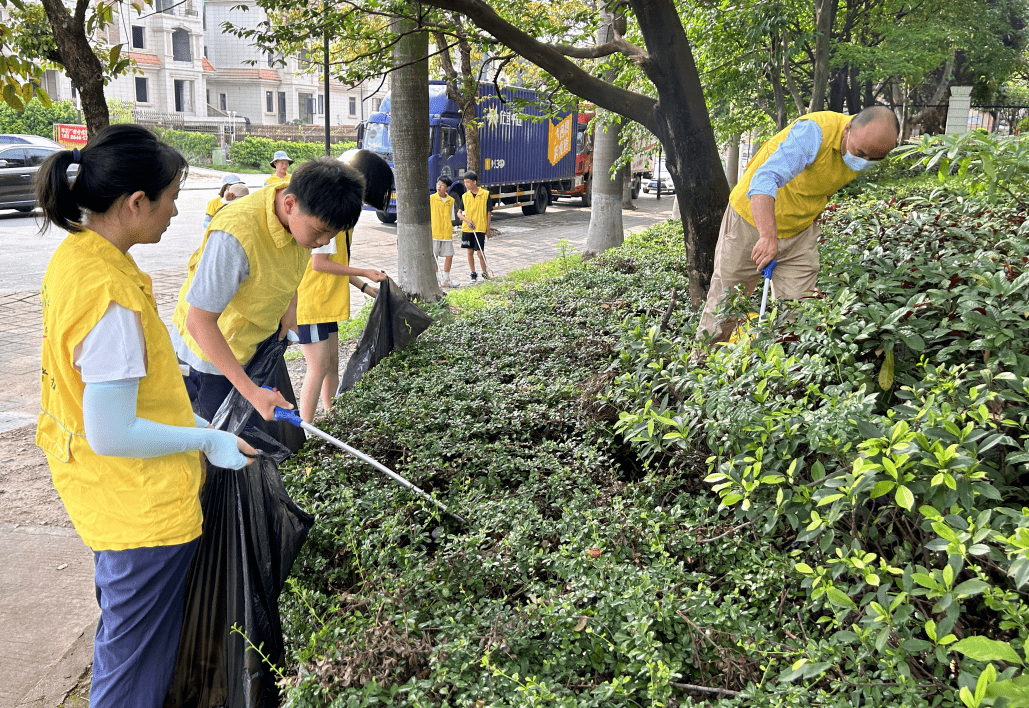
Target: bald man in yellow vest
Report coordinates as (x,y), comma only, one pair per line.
(772,210)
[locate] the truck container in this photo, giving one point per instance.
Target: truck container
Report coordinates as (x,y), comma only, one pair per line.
(527,157)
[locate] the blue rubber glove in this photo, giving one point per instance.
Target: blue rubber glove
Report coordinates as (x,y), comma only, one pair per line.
(113,430)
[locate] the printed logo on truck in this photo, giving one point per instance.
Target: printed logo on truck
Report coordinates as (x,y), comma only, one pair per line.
(560,140)
(493,117)
(494,164)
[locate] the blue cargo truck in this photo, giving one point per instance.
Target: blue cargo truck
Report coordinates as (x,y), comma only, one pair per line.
(525,162)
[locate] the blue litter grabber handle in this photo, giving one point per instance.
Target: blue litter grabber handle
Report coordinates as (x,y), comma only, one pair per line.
(767,273)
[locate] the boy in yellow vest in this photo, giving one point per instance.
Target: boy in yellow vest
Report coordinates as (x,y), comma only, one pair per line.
(441,206)
(476,214)
(241,286)
(280,163)
(773,208)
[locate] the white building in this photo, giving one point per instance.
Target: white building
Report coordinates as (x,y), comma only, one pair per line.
(258,86)
(188,68)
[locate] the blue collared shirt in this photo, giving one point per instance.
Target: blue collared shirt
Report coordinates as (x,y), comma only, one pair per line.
(795,153)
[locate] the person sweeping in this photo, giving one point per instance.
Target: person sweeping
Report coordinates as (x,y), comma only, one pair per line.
(116,425)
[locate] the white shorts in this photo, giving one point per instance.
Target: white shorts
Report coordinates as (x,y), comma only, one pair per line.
(441,247)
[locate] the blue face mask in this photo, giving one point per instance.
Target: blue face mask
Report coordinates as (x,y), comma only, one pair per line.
(858,164)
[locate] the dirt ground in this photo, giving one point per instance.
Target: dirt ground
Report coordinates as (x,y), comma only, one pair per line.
(27,494)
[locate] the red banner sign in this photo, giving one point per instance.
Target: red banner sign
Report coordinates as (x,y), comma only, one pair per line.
(70,136)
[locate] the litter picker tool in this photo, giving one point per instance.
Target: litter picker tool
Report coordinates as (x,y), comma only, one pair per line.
(482,253)
(291,416)
(767,272)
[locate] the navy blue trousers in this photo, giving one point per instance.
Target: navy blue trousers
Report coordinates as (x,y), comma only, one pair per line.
(141,593)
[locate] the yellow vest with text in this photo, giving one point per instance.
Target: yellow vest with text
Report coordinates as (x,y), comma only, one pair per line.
(277,265)
(799,202)
(442,212)
(115,502)
(475,208)
(324,297)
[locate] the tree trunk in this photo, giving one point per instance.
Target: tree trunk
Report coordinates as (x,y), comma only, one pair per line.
(80,63)
(605,230)
(463,89)
(410,125)
(825,13)
(626,177)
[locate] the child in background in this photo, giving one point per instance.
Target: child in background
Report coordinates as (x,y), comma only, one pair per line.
(218,202)
(236,191)
(116,423)
(441,206)
(280,163)
(477,212)
(323,299)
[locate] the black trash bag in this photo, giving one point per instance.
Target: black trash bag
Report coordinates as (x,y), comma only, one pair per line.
(393,323)
(252,534)
(266,368)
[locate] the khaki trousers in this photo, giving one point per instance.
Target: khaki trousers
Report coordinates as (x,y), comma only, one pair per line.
(795,274)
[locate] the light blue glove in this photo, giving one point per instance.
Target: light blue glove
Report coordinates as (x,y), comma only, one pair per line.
(113,430)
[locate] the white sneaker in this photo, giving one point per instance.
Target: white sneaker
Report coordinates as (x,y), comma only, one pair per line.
(474,278)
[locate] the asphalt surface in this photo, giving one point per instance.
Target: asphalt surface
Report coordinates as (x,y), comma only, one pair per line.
(47,607)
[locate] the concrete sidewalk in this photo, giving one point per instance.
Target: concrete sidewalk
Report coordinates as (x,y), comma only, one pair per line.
(47,604)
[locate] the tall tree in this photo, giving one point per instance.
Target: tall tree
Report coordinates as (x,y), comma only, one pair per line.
(462,85)
(72,41)
(605,229)
(410,124)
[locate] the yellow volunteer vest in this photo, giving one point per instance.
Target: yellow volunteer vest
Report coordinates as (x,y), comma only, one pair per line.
(324,297)
(475,209)
(273,179)
(277,264)
(799,202)
(442,212)
(213,206)
(114,502)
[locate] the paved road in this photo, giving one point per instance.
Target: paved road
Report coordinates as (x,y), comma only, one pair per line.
(46,602)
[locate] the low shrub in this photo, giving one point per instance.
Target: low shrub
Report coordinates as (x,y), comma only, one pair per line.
(197,147)
(35,118)
(257,152)
(875,433)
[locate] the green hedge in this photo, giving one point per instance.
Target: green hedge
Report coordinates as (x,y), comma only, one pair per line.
(257,152)
(197,147)
(37,119)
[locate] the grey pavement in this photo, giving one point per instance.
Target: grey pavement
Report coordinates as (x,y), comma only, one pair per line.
(47,607)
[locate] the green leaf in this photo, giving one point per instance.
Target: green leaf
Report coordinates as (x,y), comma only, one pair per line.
(985,649)
(905,498)
(886,372)
(882,488)
(971,587)
(840,598)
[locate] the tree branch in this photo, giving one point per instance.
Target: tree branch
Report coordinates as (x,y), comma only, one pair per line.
(618,45)
(579,82)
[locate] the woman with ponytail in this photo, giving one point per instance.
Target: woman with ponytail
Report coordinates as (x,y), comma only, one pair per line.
(116,423)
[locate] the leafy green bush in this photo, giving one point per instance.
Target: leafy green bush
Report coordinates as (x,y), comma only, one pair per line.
(877,434)
(197,147)
(997,166)
(257,152)
(35,118)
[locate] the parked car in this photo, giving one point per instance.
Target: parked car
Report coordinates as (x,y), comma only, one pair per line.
(18,139)
(19,163)
(660,172)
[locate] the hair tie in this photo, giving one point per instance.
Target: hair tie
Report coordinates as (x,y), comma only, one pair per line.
(75,156)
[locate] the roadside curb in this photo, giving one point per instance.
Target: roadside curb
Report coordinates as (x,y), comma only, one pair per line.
(62,676)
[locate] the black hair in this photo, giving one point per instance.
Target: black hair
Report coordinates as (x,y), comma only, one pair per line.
(118,161)
(471,175)
(378,177)
(328,190)
(876,114)
(225,187)
(445,180)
